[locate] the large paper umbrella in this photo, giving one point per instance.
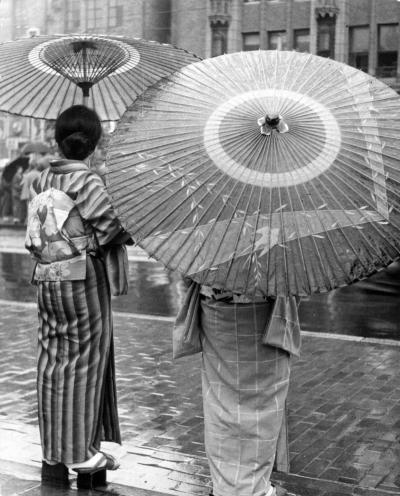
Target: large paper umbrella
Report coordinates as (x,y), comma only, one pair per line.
(43,75)
(267,172)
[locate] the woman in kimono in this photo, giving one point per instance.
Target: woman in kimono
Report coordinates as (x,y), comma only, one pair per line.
(246,349)
(70,225)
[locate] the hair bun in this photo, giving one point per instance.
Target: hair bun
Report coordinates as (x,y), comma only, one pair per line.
(78,145)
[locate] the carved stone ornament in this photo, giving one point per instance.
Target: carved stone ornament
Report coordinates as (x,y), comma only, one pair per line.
(326,8)
(220,12)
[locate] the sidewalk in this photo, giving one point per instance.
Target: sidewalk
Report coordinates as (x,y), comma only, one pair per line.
(344,414)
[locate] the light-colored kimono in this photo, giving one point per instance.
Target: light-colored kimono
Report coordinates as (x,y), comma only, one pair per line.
(246,348)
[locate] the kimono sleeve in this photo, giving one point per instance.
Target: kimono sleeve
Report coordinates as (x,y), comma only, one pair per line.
(95,208)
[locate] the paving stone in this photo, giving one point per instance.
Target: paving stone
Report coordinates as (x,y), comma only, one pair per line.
(341,428)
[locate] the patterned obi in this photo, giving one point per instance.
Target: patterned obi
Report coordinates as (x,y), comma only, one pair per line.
(228,296)
(73,269)
(56,237)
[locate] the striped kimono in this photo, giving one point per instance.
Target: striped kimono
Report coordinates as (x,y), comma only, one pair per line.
(76,377)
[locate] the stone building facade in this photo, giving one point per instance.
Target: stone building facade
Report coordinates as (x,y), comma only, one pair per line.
(362,33)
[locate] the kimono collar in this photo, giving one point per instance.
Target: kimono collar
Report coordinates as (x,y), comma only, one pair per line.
(64,166)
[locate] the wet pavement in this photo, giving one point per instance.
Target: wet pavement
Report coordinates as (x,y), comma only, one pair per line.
(344,406)
(368,308)
(344,399)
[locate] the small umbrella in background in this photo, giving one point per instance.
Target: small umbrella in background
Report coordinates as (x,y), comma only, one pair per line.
(266,173)
(35,147)
(41,76)
(11,168)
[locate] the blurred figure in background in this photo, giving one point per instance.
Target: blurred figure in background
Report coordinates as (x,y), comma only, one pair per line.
(5,198)
(37,164)
(17,204)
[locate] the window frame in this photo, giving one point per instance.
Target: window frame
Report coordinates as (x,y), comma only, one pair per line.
(356,55)
(285,37)
(387,70)
(250,47)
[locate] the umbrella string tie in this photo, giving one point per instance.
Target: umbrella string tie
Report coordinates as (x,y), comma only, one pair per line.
(270,123)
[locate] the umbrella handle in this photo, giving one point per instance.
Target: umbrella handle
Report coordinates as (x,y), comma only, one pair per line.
(269,123)
(85,87)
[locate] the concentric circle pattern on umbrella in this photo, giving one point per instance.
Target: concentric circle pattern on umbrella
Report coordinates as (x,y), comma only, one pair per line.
(266,173)
(41,76)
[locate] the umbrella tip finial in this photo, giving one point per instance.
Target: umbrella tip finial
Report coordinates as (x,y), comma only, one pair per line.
(272,122)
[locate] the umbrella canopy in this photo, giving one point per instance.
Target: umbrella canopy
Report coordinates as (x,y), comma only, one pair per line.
(11,168)
(266,173)
(35,147)
(41,76)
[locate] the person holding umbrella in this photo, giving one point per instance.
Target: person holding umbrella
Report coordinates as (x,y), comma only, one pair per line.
(246,345)
(276,177)
(70,225)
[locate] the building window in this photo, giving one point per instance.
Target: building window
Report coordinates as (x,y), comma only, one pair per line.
(387,50)
(326,37)
(219,40)
(251,41)
(115,13)
(358,47)
(73,17)
(301,40)
(277,40)
(92,14)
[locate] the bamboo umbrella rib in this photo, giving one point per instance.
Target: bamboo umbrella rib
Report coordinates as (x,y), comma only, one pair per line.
(243,186)
(63,97)
(347,184)
(25,92)
(182,223)
(329,196)
(107,101)
(177,180)
(126,85)
(241,233)
(360,171)
(253,255)
(341,104)
(210,178)
(224,234)
(299,239)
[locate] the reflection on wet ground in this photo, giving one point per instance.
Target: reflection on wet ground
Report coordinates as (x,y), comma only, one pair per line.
(368,308)
(152,290)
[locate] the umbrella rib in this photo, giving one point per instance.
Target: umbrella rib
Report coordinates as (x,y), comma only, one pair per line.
(182,221)
(230,264)
(299,236)
(189,152)
(367,202)
(362,235)
(221,181)
(179,179)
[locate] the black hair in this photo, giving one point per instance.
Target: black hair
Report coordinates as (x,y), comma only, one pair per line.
(78,130)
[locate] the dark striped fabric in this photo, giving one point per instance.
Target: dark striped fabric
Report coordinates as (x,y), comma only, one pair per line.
(87,190)
(76,376)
